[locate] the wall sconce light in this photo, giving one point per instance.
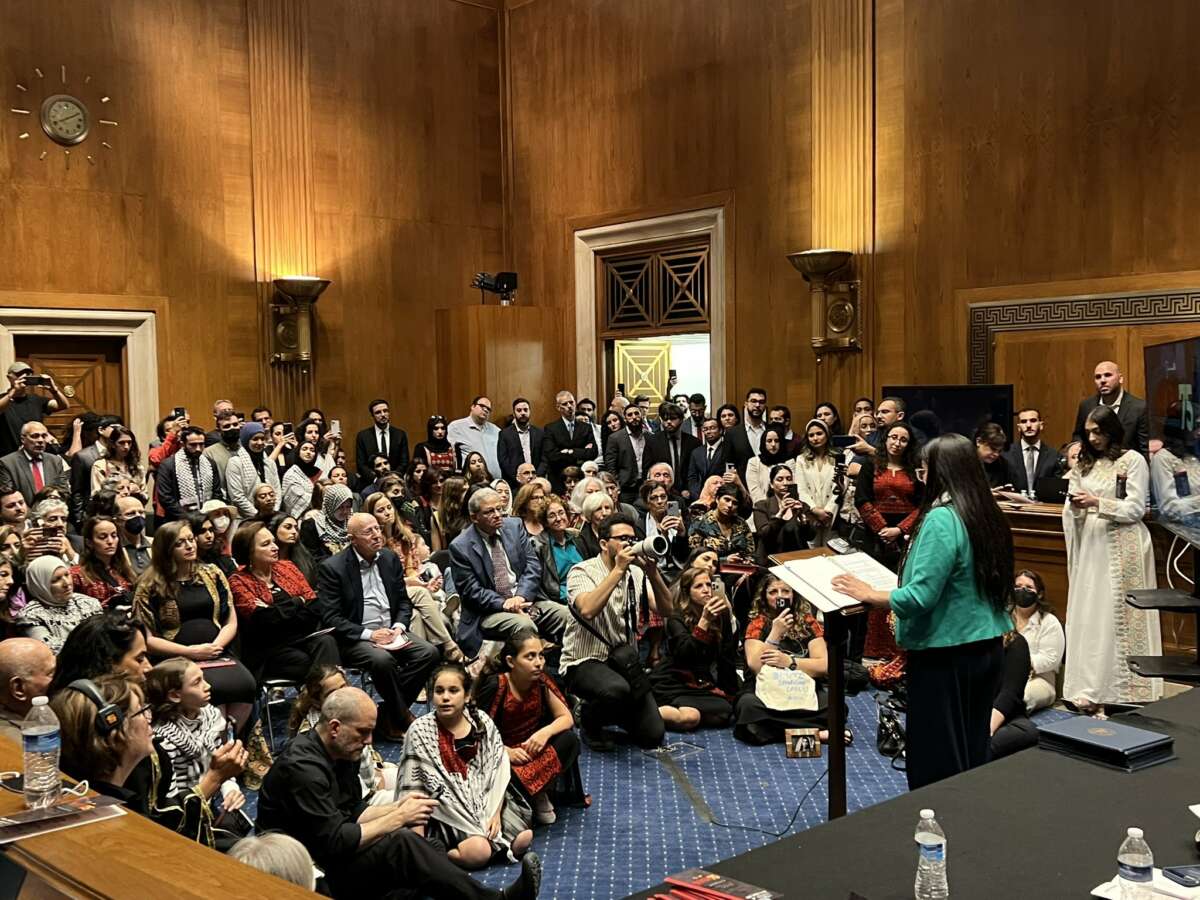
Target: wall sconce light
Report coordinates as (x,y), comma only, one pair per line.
(292,319)
(836,318)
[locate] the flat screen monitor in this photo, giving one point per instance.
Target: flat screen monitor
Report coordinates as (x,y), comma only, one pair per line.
(1173,401)
(935,409)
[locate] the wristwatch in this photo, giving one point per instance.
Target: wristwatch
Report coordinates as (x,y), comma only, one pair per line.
(792,663)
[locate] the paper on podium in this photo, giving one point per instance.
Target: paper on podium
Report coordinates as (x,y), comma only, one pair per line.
(812,578)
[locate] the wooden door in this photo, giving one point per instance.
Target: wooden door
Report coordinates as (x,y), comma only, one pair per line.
(89,370)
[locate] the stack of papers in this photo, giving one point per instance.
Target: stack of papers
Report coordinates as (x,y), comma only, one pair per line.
(812,578)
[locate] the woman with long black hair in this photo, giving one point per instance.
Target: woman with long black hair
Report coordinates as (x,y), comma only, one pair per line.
(950,611)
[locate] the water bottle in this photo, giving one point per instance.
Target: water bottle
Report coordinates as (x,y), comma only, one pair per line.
(931,862)
(40,739)
(1135,867)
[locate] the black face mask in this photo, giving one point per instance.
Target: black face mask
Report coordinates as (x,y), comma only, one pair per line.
(135,525)
(1024,597)
(230,435)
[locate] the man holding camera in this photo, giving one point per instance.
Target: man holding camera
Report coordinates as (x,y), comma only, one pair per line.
(607,595)
(19,405)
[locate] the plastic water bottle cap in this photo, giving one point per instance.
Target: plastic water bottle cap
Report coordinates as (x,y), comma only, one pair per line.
(40,701)
(927,814)
(1134,832)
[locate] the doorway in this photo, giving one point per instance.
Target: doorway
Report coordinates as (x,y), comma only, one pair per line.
(90,370)
(644,366)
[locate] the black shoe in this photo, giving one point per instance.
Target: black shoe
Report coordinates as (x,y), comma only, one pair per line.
(598,740)
(529,882)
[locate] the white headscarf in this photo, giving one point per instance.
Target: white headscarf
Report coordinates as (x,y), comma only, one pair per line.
(38,576)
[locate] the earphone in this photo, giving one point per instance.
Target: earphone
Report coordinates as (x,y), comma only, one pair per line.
(109,716)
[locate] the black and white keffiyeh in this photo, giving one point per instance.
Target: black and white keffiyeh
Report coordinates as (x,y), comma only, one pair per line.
(192,495)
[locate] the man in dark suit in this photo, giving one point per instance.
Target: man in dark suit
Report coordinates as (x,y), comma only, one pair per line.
(1029,456)
(497,574)
(741,441)
(362,597)
(519,443)
(383,438)
(643,403)
(94,430)
(672,445)
(626,453)
(566,441)
(180,493)
(708,459)
(1131,410)
(31,468)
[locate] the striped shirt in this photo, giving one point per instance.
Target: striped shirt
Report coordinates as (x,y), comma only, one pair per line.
(579,644)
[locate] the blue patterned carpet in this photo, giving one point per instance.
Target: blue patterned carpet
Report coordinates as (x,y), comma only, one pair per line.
(644,824)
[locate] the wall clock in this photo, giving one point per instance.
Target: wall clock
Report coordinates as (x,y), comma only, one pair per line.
(65,113)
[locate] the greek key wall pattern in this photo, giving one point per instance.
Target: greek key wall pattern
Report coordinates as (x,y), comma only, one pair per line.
(985,320)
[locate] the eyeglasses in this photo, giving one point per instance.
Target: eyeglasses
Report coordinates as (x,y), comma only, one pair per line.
(484,408)
(146,711)
(626,539)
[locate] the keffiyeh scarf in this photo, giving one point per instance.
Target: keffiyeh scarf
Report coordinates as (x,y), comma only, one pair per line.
(191,495)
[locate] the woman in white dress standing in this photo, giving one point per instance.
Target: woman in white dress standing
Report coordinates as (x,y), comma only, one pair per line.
(814,469)
(1108,554)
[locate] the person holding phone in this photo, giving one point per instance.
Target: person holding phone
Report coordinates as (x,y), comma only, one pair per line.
(20,405)
(780,521)
(664,516)
(722,529)
(815,470)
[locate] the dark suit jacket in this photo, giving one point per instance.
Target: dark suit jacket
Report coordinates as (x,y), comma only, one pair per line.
(340,595)
(1134,419)
(166,485)
(1047,461)
(508,451)
(621,460)
(16,472)
(365,446)
(699,470)
(81,479)
(471,566)
(560,450)
(738,450)
(658,450)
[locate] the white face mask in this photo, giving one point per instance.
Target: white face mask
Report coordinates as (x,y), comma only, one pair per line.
(221,523)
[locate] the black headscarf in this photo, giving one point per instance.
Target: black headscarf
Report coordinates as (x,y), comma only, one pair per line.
(780,456)
(436,445)
(308,468)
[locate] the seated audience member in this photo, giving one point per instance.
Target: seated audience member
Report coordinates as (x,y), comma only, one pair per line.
(527,507)
(1030,459)
(780,523)
(1034,619)
(381,437)
(455,753)
(613,489)
(722,529)
(475,469)
(277,854)
(596,508)
(1011,727)
(188,610)
(26,670)
(773,450)
(814,472)
(989,447)
(534,721)
(249,467)
(436,450)
(784,634)
(10,544)
(110,644)
(53,608)
(588,484)
(412,477)
(660,518)
(661,473)
(451,517)
(363,597)
(276,609)
(186,481)
(286,530)
(131,524)
(672,446)
(107,758)
(266,503)
(32,467)
(525,474)
(572,477)
(13,508)
(425,503)
(606,594)
(696,680)
(188,731)
(325,535)
(313,793)
(103,571)
(557,549)
(497,574)
(378,778)
(47,532)
(566,443)
(500,486)
(708,459)
(121,457)
(209,549)
(379,470)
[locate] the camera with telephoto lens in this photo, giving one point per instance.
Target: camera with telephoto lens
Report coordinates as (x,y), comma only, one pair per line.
(651,546)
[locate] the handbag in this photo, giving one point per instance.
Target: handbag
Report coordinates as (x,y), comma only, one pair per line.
(889,736)
(785,690)
(622,658)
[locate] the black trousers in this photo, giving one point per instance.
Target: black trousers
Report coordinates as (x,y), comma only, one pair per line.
(950,694)
(609,703)
(294,661)
(1015,734)
(403,858)
(399,675)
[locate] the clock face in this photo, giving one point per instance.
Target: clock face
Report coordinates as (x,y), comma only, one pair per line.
(65,119)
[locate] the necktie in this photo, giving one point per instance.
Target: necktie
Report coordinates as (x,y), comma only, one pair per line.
(504,586)
(38,481)
(710,454)
(1030,465)
(383,447)
(674,453)
(571,430)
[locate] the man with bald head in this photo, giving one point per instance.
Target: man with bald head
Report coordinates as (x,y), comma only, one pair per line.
(26,669)
(1131,410)
(362,597)
(33,467)
(313,793)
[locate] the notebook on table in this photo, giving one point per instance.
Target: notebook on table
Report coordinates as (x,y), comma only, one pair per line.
(1107,742)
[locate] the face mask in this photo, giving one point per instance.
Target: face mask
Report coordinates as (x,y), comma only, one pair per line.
(230,435)
(1024,597)
(221,523)
(135,525)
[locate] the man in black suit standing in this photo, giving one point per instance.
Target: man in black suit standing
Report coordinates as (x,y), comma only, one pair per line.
(362,597)
(672,445)
(382,438)
(1131,410)
(519,443)
(742,441)
(566,441)
(1029,459)
(707,460)
(625,454)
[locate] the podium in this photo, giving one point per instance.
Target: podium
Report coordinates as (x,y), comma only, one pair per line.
(835,642)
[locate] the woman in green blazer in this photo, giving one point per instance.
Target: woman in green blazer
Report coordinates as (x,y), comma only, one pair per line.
(950,612)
